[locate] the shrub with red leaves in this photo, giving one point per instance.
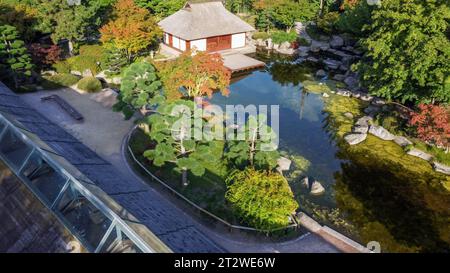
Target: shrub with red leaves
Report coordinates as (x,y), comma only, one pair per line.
(433,124)
(45,55)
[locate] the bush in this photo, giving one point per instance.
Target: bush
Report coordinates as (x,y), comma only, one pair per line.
(59,81)
(62,67)
(260,35)
(90,84)
(262,199)
(81,63)
(280,37)
(327,24)
(91,57)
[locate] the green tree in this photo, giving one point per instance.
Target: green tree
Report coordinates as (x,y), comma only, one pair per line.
(66,20)
(263,199)
(258,149)
(15,62)
(160,8)
(354,19)
(140,89)
(287,12)
(262,21)
(408,52)
(173,129)
(20,15)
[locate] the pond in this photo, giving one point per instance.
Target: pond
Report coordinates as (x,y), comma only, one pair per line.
(374,192)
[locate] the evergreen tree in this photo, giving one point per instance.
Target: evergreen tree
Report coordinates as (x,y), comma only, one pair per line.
(15,62)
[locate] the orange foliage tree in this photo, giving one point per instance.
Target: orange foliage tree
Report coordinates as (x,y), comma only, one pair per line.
(348,4)
(433,124)
(194,76)
(132,29)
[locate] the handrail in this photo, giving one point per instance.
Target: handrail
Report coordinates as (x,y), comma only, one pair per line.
(82,188)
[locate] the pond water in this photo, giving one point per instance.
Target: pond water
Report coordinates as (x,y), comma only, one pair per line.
(373,192)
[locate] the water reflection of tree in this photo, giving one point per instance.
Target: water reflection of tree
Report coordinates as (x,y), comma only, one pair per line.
(287,73)
(402,209)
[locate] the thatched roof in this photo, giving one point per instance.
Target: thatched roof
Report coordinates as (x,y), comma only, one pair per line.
(199,20)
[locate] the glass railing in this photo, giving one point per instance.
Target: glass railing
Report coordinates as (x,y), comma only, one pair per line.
(89,213)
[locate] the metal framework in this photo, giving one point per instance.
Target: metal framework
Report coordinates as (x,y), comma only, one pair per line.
(72,200)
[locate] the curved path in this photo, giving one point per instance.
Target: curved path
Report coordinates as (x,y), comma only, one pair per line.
(105,132)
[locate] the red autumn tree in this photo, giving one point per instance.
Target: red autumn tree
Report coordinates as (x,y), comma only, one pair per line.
(194,76)
(433,124)
(132,29)
(43,55)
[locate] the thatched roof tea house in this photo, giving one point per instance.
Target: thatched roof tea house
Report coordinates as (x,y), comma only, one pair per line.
(206,26)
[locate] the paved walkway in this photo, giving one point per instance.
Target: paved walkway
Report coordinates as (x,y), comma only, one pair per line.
(104,131)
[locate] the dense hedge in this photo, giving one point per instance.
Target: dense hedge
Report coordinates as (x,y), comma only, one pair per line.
(90,84)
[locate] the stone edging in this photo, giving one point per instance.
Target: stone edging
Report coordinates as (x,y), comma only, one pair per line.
(333,237)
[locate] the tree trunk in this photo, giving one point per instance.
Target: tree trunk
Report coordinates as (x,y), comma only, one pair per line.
(70,47)
(184,176)
(321,8)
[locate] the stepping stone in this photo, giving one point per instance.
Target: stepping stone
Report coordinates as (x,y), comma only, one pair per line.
(402,141)
(354,139)
(439,167)
(420,154)
(381,133)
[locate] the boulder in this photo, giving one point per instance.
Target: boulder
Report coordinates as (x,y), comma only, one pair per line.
(343,92)
(378,101)
(285,45)
(284,164)
(87,73)
(325,95)
(303,54)
(353,139)
(381,132)
(356,94)
(348,115)
(321,73)
(361,129)
(352,82)
(332,64)
(439,167)
(402,141)
(314,186)
(339,77)
(371,110)
(420,154)
(312,59)
(317,188)
(366,97)
(364,121)
(276,46)
(287,51)
(303,49)
(76,73)
(336,41)
(305,182)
